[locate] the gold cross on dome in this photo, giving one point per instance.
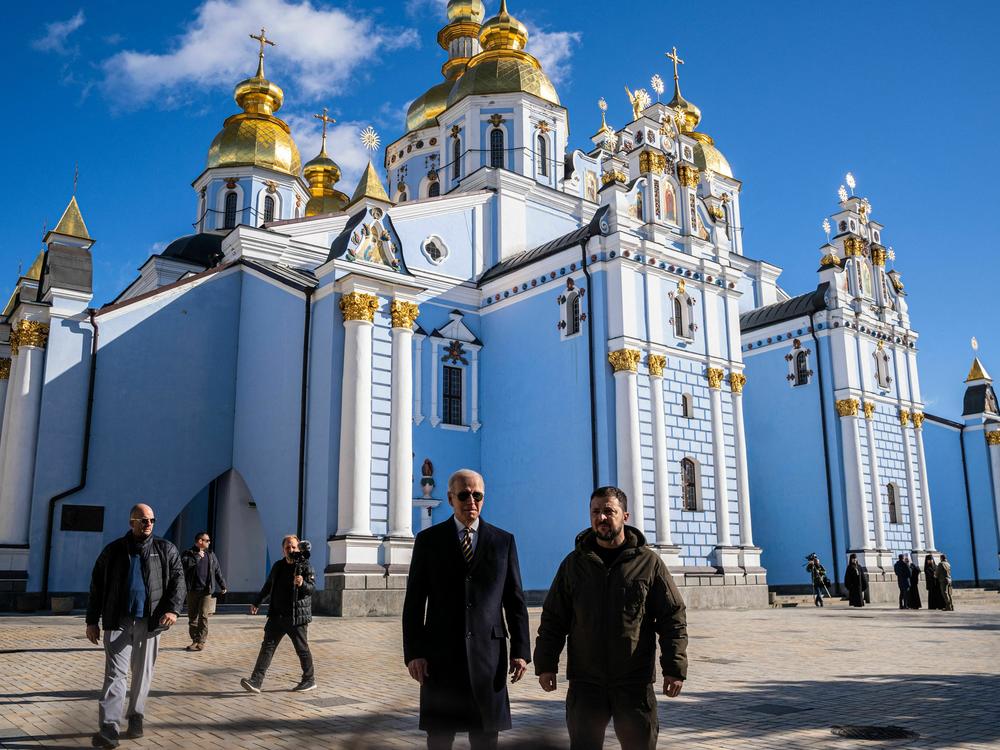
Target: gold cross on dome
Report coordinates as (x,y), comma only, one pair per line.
(262,38)
(677,61)
(323,117)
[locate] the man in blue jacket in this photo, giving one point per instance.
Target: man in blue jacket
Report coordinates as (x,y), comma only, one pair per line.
(136,591)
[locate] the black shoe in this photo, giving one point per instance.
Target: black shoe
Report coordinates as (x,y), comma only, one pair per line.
(106,737)
(304,686)
(250,686)
(134,727)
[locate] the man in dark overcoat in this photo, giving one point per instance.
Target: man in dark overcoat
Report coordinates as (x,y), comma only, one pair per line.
(464,582)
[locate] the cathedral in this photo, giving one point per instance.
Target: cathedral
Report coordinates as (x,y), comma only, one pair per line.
(318,363)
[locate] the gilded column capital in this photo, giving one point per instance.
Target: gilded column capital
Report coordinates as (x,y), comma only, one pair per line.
(688,176)
(853,246)
(918,420)
(656,363)
(625,360)
(736,381)
(904,417)
(993,438)
(715,376)
(847,407)
(403,313)
(869,409)
(28,333)
(4,368)
(878,255)
(650,161)
(359,306)
(614,175)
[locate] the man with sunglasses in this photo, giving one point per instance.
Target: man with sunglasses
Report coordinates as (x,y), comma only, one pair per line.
(136,591)
(203,576)
(464,581)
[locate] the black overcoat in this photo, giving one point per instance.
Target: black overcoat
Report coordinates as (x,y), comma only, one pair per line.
(453,616)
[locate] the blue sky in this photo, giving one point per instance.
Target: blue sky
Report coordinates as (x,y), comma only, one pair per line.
(903,94)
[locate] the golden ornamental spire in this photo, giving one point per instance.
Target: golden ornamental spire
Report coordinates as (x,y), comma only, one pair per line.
(691,115)
(324,119)
(262,38)
(71,223)
(322,173)
(977,372)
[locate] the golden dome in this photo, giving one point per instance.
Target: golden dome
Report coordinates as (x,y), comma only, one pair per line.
(503,66)
(423,111)
(707,156)
(692,115)
(503,31)
(255,137)
(466,11)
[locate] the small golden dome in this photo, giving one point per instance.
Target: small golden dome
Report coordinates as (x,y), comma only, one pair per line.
(466,11)
(255,137)
(692,115)
(503,31)
(423,111)
(707,156)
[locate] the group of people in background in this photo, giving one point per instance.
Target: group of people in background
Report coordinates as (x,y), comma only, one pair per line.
(937,578)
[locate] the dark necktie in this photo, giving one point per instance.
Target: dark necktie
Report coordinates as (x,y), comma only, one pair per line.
(467,545)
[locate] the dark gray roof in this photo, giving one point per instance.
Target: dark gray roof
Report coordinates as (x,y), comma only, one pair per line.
(597,226)
(204,248)
(67,267)
(298,278)
(790,309)
(979,399)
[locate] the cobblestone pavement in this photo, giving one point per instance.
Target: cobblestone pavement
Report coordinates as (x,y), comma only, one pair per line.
(777,678)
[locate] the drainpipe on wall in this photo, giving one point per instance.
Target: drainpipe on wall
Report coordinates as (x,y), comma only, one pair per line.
(826,458)
(590,360)
(84,459)
(968,505)
(303,409)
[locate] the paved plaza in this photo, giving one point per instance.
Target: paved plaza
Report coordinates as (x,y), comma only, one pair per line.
(777,678)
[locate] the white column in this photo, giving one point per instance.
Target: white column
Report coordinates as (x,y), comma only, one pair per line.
(736,382)
(625,363)
(661,477)
(400,425)
(873,477)
(4,380)
(854,486)
(723,536)
(911,489)
(21,444)
(9,406)
(418,408)
(435,366)
(925,489)
(993,441)
(354,487)
(474,396)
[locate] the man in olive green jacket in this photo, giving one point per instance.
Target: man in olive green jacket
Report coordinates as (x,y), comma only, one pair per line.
(612,597)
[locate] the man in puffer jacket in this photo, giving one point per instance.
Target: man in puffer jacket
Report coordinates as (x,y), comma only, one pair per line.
(289,586)
(136,592)
(612,597)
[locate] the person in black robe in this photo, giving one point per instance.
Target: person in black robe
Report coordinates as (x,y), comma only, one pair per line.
(934,598)
(913,595)
(856,582)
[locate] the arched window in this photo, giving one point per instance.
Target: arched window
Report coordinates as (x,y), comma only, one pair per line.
(572,313)
(541,154)
(496,148)
(434,190)
(402,197)
(690,491)
(801,369)
(687,406)
(456,159)
(230,214)
(892,496)
(882,368)
(268,209)
(638,206)
(679,331)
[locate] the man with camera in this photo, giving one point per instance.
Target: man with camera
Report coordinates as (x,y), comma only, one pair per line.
(290,586)
(136,591)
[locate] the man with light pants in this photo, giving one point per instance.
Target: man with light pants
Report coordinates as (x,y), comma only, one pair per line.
(136,591)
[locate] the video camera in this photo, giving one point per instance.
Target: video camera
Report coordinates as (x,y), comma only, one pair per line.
(300,557)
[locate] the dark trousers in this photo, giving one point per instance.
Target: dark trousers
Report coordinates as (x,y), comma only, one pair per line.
(589,708)
(274,631)
(477,740)
(904,596)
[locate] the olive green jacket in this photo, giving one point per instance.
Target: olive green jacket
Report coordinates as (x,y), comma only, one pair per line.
(612,616)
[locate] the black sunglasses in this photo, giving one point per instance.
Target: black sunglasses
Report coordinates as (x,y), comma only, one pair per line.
(464,495)
(145,521)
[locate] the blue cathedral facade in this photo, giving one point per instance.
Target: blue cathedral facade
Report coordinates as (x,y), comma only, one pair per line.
(316,363)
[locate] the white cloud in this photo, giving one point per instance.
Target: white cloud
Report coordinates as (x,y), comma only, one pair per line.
(317,52)
(57,34)
(554,50)
(343,145)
